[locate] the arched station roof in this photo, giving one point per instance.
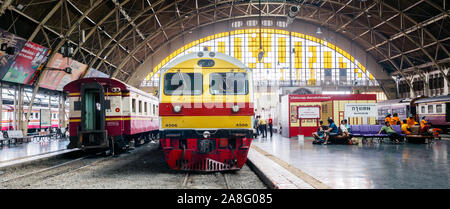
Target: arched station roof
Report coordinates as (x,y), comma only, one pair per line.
(402,36)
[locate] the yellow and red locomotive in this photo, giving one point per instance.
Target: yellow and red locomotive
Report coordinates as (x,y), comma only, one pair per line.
(107,113)
(206,109)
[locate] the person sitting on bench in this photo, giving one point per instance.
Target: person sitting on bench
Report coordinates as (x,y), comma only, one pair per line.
(332,130)
(344,129)
(405,129)
(320,132)
(394,136)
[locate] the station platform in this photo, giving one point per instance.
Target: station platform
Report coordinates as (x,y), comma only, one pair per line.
(379,166)
(18,153)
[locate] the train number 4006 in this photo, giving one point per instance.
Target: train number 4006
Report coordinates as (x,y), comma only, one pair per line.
(171,125)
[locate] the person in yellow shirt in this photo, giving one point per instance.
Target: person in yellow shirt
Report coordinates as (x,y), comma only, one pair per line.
(423,122)
(388,119)
(263,126)
(395,120)
(405,128)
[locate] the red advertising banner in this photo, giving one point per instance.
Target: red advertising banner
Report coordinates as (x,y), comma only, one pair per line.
(9,41)
(29,60)
(52,78)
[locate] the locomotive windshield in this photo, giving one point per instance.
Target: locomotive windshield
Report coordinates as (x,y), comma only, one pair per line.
(228,83)
(183,83)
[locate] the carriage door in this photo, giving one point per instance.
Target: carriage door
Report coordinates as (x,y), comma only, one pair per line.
(92,110)
(93,131)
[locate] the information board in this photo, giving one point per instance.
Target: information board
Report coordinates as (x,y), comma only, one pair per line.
(308,112)
(45,118)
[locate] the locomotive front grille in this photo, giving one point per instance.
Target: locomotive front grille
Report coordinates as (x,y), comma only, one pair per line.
(206,165)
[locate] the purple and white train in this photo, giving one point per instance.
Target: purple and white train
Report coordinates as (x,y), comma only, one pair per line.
(435,109)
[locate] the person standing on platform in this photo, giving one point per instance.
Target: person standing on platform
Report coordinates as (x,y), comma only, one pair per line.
(263,125)
(388,118)
(395,119)
(270,125)
(256,126)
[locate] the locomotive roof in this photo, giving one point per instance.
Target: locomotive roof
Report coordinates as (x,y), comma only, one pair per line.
(434,99)
(74,86)
(206,55)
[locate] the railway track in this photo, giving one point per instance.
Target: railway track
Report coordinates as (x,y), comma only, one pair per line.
(27,179)
(197,180)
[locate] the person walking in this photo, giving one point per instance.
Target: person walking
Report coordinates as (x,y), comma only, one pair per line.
(270,125)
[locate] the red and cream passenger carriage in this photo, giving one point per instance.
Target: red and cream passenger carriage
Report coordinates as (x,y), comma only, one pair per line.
(107,113)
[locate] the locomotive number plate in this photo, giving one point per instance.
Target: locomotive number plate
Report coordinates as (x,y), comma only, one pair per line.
(206,146)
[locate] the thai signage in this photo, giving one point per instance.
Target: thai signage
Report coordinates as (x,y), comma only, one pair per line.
(308,112)
(27,62)
(11,45)
(361,110)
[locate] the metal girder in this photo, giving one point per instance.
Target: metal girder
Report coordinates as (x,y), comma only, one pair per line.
(44,21)
(115,35)
(433,60)
(245,16)
(53,31)
(5,6)
(54,52)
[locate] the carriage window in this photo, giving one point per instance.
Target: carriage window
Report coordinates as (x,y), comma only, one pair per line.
(154,109)
(430,108)
(439,108)
(228,83)
(133,105)
(145,107)
(140,106)
(183,84)
(36,115)
(422,109)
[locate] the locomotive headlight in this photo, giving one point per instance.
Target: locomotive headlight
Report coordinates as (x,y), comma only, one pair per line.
(177,108)
(235,108)
(206,134)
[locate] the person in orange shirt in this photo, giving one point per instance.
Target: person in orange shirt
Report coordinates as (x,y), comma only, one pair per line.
(395,120)
(388,119)
(405,128)
(411,122)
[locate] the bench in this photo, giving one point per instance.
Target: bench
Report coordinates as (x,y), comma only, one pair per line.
(416,137)
(44,134)
(371,132)
(18,136)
